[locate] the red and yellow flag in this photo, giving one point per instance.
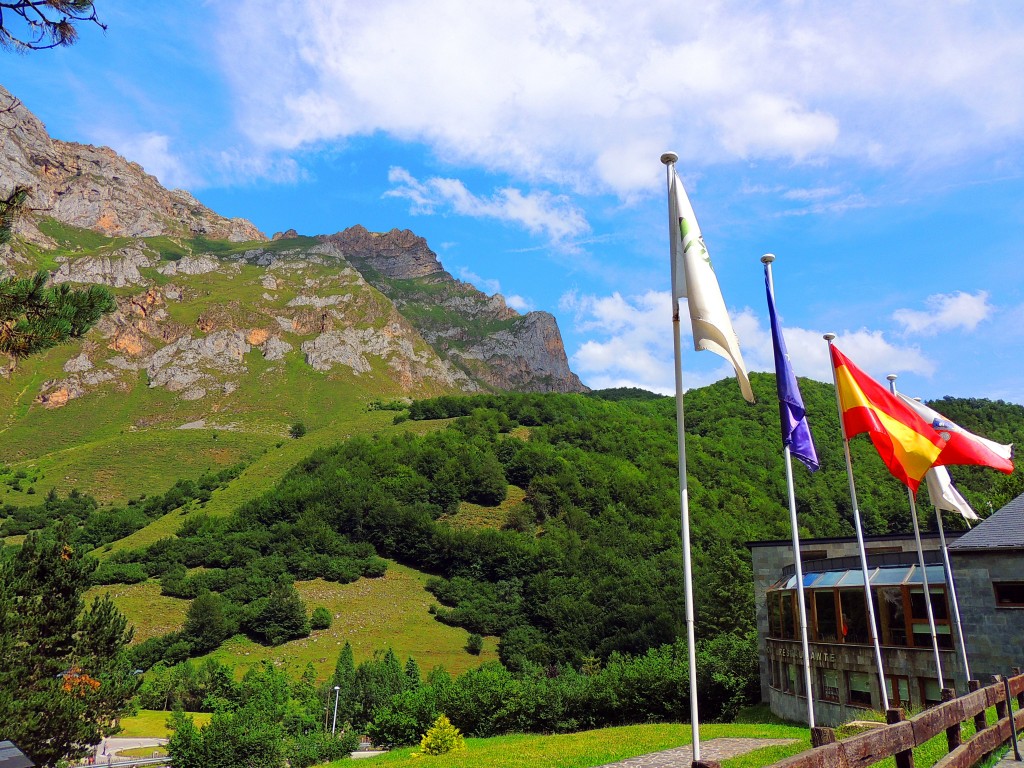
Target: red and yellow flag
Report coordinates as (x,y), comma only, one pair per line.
(907,443)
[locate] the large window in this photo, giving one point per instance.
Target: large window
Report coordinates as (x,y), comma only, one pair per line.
(854,620)
(1009,594)
(828,684)
(898,688)
(825,613)
(891,615)
(858,689)
(931,694)
(836,612)
(919,617)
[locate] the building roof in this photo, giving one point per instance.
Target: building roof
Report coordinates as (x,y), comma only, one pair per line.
(12,757)
(1004,529)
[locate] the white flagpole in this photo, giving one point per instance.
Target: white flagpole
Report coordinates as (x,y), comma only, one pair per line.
(669,159)
(767,260)
(924,572)
(952,598)
(830,337)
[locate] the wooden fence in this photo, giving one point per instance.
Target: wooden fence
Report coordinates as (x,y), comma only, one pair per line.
(901,735)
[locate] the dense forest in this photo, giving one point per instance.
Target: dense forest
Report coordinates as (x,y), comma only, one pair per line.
(586,568)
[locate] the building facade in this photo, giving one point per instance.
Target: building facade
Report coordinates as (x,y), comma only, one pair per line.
(988,571)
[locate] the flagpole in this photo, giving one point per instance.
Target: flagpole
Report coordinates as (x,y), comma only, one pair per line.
(924,571)
(669,159)
(830,337)
(767,260)
(952,598)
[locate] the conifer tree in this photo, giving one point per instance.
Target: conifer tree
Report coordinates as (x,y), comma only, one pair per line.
(345,678)
(64,679)
(35,317)
(41,24)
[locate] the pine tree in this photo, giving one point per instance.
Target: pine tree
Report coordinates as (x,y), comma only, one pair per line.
(34,317)
(42,25)
(345,678)
(443,737)
(65,679)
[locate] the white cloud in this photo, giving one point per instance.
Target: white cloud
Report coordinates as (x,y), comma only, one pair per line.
(539,212)
(945,312)
(590,93)
(492,286)
(153,152)
(631,341)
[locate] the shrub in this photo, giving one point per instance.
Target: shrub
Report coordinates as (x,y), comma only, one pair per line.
(442,738)
(321,619)
(475,644)
(297,430)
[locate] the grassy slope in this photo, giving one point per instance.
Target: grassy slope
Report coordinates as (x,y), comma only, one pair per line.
(371,614)
(153,723)
(121,440)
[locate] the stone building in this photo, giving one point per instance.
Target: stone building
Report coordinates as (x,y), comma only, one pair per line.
(988,568)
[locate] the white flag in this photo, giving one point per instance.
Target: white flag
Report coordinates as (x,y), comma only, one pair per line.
(944,495)
(694,279)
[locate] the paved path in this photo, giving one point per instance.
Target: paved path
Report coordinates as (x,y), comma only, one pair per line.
(105,750)
(681,757)
(1010,761)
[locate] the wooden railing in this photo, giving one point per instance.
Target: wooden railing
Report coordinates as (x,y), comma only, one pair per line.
(899,737)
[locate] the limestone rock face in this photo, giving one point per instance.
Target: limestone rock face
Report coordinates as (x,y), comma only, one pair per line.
(119,270)
(95,188)
(396,254)
(372,307)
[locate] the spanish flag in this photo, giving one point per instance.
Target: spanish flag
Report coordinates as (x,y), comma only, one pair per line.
(908,444)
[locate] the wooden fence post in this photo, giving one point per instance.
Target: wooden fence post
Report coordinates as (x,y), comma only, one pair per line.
(953,737)
(820,736)
(980,721)
(1020,696)
(904,759)
(706,764)
(1001,705)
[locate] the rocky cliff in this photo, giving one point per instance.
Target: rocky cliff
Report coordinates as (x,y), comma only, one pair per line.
(95,188)
(208,307)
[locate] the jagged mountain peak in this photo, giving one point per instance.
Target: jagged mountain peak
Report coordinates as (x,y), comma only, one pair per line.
(397,254)
(95,188)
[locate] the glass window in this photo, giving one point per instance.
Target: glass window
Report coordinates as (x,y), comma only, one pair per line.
(889,601)
(858,687)
(853,579)
(825,608)
(828,684)
(923,635)
(918,610)
(775,614)
(788,623)
(900,695)
(931,694)
(1009,594)
(890,575)
(830,579)
(789,678)
(853,624)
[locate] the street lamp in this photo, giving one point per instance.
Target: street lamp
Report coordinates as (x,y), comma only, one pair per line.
(334,724)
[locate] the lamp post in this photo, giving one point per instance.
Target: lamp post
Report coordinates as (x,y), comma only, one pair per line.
(334,724)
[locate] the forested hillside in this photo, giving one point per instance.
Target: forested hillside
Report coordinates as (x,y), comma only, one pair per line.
(587,565)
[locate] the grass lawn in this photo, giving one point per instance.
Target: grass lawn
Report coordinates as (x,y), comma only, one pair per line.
(147,610)
(371,614)
(153,723)
(475,516)
(592,748)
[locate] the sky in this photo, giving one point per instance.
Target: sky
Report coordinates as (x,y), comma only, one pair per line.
(874,147)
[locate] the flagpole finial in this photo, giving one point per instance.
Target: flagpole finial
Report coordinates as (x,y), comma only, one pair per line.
(892,377)
(829,337)
(768,258)
(669,157)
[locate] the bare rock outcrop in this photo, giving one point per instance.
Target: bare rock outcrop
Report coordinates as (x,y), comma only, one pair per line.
(118,269)
(398,254)
(95,188)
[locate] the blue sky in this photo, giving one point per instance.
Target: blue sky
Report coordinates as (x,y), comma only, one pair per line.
(875,148)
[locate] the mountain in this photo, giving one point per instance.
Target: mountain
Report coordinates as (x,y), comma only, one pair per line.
(218,324)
